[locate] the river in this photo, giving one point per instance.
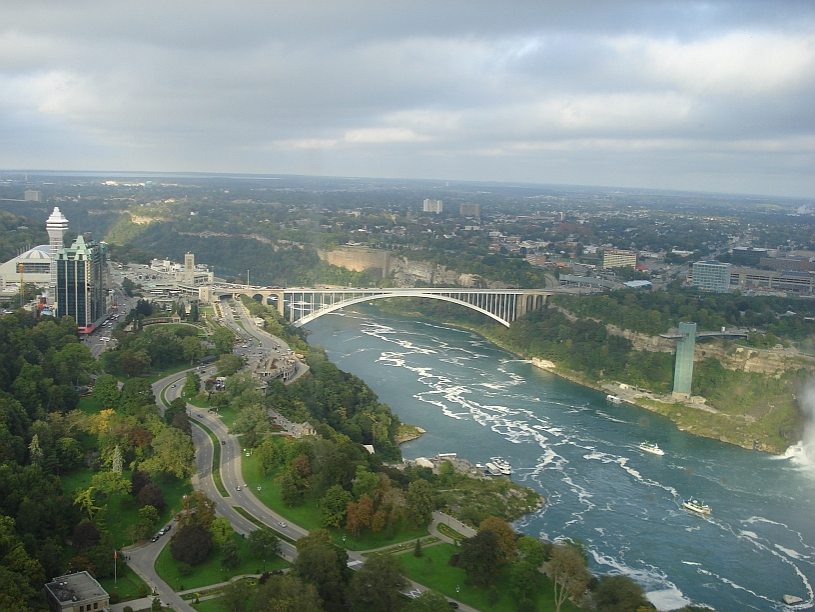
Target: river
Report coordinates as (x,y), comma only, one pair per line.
(580,452)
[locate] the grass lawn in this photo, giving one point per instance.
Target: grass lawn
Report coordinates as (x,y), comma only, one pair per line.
(126,586)
(307,515)
(123,509)
(89,405)
(216,460)
(438,575)
(211,571)
(197,403)
(228,416)
(210,605)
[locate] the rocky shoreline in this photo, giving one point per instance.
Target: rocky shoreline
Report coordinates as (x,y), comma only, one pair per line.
(408,432)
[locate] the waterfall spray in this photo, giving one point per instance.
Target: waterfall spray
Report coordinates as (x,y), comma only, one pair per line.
(807,402)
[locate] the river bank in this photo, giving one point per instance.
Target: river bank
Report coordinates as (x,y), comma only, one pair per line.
(581,453)
(743,430)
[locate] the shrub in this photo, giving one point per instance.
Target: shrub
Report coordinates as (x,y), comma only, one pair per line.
(184,569)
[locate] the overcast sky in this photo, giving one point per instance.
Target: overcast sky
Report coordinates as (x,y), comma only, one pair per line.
(713,96)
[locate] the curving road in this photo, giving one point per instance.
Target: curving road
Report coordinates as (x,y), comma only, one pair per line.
(142,558)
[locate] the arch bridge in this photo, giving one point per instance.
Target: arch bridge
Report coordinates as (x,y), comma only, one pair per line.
(302,305)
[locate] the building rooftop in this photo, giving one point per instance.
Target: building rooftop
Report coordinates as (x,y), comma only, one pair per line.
(75,587)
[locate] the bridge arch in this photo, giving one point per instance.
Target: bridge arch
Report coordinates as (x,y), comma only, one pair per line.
(369,298)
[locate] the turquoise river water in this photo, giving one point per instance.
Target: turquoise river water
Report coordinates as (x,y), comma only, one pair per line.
(566,441)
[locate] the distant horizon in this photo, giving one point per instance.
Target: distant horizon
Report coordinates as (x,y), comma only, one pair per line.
(281,176)
(712,97)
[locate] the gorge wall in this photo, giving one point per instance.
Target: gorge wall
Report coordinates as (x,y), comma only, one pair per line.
(405,272)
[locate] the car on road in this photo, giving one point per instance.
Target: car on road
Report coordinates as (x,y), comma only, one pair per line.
(238,488)
(453,605)
(166,529)
(282,524)
(223,441)
(172,386)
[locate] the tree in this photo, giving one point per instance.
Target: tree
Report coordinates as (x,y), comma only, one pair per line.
(429,601)
(151,495)
(192,385)
(378,584)
(531,550)
(224,339)
(292,488)
(86,536)
(228,364)
(365,483)
(35,453)
(230,558)
(149,513)
(262,543)
(420,502)
(221,530)
(191,544)
(287,593)
(136,392)
(174,454)
(110,483)
(507,538)
(193,316)
(106,391)
(84,499)
(116,462)
(325,566)
(314,537)
(417,549)
(176,407)
(523,580)
(567,570)
(197,508)
(334,505)
(138,479)
(619,594)
(359,515)
(192,348)
(480,557)
(69,453)
(268,455)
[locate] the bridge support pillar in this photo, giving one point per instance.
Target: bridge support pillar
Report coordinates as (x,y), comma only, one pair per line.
(281,303)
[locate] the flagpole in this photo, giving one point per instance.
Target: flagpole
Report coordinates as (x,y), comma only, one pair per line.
(115,574)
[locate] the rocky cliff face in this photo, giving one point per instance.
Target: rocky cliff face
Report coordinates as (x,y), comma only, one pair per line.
(406,273)
(733,357)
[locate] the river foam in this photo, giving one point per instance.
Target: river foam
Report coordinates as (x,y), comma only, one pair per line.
(566,442)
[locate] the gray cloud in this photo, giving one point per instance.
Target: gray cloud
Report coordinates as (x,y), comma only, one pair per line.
(681,95)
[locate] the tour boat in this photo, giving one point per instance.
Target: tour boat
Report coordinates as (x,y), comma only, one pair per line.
(651,448)
(493,469)
(613,399)
(502,464)
(694,505)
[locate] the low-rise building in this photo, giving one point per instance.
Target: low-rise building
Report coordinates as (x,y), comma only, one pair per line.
(78,592)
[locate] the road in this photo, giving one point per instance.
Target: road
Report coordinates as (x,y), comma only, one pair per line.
(142,558)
